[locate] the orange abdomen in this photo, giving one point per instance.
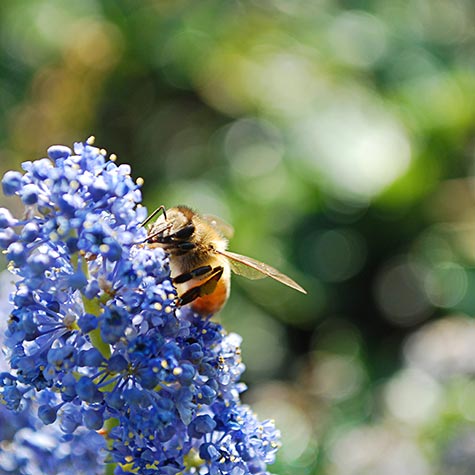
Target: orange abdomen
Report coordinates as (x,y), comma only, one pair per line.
(213,302)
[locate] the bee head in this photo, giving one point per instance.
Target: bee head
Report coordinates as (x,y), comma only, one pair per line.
(175,224)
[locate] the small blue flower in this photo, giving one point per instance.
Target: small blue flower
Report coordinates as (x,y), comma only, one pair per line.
(6,219)
(47,414)
(29,194)
(56,152)
(7,237)
(11,182)
(200,426)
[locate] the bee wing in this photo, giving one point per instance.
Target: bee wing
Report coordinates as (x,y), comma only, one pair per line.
(220,225)
(252,269)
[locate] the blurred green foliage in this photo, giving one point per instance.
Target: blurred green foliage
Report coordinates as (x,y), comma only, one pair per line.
(337,138)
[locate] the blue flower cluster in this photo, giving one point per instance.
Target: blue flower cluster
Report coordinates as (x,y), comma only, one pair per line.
(95,338)
(27,446)
(30,448)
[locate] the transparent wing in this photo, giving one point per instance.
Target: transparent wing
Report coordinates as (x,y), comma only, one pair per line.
(221,226)
(252,269)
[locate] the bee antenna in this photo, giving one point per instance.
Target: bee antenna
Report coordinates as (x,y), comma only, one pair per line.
(151,216)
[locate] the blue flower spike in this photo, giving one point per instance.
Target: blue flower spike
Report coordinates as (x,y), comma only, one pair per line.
(98,350)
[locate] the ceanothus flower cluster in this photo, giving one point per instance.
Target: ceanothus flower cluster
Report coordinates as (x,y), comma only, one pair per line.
(27,446)
(95,340)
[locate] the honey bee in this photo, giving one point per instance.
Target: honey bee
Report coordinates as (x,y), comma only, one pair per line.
(200,263)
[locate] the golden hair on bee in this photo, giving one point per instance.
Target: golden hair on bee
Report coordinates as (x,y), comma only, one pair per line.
(200,263)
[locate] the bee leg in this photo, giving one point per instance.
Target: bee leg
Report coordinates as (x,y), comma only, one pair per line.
(206,288)
(198,272)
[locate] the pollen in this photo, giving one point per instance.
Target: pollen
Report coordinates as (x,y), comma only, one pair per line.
(113,157)
(74,184)
(69,320)
(91,140)
(140,181)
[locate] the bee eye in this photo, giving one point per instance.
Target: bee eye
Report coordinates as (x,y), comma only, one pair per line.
(184,233)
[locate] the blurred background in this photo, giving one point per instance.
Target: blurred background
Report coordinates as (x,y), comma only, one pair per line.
(337,137)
